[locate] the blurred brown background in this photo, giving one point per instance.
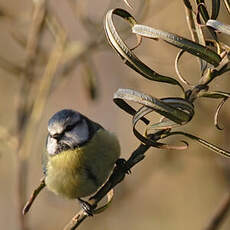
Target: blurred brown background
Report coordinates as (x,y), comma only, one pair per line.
(168,190)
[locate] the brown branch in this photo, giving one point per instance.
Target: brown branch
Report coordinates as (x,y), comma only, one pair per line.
(220,214)
(36,112)
(24,105)
(33,38)
(33,196)
(117,176)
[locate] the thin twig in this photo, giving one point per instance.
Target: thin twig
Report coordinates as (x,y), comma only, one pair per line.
(33,38)
(37,109)
(33,196)
(219,216)
(25,103)
(10,67)
(44,89)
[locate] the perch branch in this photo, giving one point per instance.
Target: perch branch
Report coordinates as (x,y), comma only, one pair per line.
(116,177)
(218,217)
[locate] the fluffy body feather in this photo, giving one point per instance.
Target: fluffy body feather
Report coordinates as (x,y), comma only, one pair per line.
(79,172)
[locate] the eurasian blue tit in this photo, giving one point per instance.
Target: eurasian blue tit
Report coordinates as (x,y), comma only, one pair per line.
(80,155)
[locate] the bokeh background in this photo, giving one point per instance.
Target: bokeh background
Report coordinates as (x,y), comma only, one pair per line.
(173,190)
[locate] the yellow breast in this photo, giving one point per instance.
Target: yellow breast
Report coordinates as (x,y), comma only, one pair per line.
(80,172)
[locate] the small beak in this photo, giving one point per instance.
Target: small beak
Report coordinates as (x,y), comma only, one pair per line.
(57,136)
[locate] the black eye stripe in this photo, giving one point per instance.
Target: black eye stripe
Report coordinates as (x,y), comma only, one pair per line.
(57,136)
(70,127)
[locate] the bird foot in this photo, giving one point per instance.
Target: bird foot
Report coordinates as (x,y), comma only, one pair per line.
(86,206)
(121,164)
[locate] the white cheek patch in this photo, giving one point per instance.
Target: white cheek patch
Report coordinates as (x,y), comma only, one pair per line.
(51,145)
(55,128)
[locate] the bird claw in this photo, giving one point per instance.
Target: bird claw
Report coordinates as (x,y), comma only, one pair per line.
(87,207)
(121,164)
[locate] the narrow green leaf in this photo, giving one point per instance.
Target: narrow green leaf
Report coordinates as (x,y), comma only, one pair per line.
(152,138)
(180,42)
(214,94)
(119,99)
(126,54)
(217,25)
(196,33)
(139,116)
(204,13)
(177,110)
(161,106)
(164,124)
(206,144)
(227,5)
(187,4)
(202,9)
(215,9)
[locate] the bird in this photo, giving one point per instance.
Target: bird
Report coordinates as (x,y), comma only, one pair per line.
(80,155)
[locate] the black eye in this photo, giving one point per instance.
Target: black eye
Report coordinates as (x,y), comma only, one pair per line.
(69,127)
(57,136)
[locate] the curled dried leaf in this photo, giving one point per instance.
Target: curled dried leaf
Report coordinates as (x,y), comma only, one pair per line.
(203,142)
(177,111)
(216,95)
(178,57)
(162,106)
(125,52)
(202,9)
(180,42)
(215,9)
(227,5)
(219,26)
(217,113)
